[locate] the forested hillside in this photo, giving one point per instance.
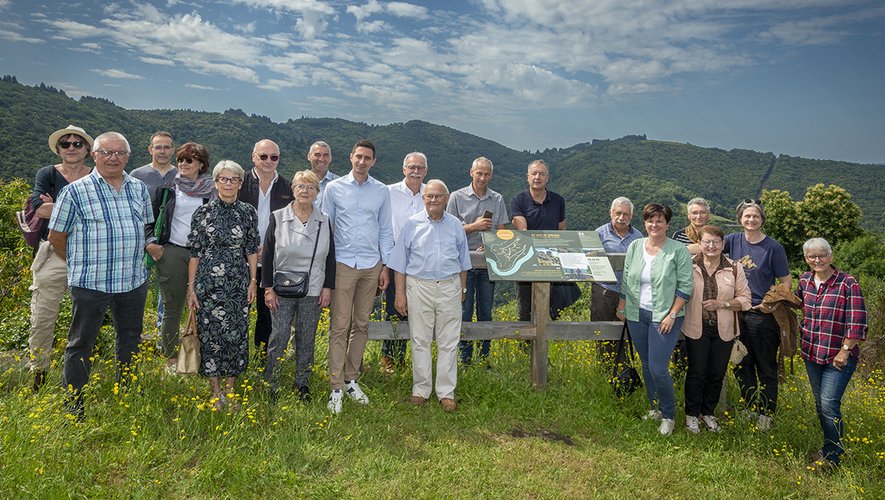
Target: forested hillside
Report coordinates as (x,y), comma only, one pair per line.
(589,174)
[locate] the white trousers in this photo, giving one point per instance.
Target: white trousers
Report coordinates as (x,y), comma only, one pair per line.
(50,275)
(434,309)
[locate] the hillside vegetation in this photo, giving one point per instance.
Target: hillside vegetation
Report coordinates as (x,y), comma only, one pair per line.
(589,174)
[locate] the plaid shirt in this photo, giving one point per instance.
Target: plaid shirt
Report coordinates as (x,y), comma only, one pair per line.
(831,313)
(105,232)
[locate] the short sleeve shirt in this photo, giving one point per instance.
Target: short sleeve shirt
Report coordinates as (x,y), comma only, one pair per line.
(539,216)
(763,262)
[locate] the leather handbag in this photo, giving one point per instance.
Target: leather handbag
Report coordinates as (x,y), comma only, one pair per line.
(31,226)
(625,379)
(189,352)
(294,284)
(291,284)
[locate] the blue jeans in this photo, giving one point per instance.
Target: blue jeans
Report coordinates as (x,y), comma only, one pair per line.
(655,350)
(828,384)
(481,292)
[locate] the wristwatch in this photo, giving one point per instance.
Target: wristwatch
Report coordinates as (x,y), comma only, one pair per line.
(845,347)
(463,290)
(727,305)
(673,316)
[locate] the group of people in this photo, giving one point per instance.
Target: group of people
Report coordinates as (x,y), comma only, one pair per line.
(223,240)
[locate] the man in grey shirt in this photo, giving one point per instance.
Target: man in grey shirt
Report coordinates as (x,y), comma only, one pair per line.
(479,209)
(160,171)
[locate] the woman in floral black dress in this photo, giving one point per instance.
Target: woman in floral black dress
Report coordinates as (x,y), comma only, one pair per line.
(222,279)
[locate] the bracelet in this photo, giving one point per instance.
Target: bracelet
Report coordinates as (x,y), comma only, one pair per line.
(620,311)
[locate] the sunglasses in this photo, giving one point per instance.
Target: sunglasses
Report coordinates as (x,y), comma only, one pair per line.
(187,160)
(67,144)
(264,157)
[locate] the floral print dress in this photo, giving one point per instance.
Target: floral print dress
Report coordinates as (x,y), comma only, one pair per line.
(222,235)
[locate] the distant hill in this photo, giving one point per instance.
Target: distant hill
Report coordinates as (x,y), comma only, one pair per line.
(589,175)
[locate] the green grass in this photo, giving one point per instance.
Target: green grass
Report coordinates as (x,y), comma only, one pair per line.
(158,437)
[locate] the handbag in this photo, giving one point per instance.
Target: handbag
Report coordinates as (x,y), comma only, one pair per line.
(294,284)
(625,379)
(30,225)
(158,229)
(189,352)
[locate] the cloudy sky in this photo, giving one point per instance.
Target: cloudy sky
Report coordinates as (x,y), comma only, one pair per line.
(798,77)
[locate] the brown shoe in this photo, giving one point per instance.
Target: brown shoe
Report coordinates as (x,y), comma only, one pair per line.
(387,365)
(448,404)
(417,400)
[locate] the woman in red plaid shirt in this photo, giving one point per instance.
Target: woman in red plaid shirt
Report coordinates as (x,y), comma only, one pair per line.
(834,321)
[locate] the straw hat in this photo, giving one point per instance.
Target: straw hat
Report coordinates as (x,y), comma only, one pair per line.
(70,129)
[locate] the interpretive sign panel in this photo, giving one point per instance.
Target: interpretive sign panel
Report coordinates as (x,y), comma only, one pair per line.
(546,256)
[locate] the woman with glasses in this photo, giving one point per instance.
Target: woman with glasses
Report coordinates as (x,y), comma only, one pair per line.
(698,211)
(299,238)
(764,261)
(167,244)
(656,285)
(834,322)
(222,280)
(710,326)
(72,145)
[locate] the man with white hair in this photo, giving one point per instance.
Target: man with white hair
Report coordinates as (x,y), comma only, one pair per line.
(615,236)
(405,201)
(97,227)
(431,261)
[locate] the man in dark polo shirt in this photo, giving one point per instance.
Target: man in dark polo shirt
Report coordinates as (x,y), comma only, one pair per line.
(535,209)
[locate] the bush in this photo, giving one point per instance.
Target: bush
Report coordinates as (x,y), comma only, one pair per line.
(873,349)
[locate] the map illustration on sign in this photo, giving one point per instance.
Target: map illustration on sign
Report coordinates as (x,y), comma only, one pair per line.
(546,256)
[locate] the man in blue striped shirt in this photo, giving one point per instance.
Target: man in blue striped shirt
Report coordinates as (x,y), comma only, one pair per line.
(97,226)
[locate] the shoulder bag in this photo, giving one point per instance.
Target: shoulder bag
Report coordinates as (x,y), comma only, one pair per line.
(625,379)
(295,284)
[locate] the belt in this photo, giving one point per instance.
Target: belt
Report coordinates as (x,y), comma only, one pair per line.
(179,246)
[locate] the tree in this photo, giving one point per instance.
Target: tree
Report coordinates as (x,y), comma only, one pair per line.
(825,212)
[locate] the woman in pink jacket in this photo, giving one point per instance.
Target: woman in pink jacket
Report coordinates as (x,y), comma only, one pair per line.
(710,326)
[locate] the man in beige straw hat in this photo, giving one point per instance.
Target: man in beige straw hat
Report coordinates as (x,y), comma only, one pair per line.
(72,144)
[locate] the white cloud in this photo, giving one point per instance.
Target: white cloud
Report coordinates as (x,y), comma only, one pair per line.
(371,27)
(199,87)
(13,36)
(823,30)
(402,9)
(156,60)
(117,73)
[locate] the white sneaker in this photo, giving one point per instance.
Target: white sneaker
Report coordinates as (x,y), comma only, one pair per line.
(691,423)
(763,423)
(652,415)
(354,392)
(666,427)
(711,423)
(334,403)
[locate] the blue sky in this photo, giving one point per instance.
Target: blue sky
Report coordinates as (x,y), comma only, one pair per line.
(804,78)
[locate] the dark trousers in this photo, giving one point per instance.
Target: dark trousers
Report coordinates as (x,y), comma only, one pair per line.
(393,349)
(481,294)
(263,321)
(707,362)
(757,373)
(604,307)
(89,307)
(524,302)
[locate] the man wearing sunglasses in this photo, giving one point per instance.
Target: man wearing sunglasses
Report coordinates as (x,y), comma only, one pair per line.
(49,272)
(266,190)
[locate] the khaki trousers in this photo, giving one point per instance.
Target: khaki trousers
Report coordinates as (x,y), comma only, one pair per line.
(352,301)
(434,309)
(49,286)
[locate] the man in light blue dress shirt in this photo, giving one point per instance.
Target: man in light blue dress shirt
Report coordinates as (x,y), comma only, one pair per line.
(359,207)
(431,261)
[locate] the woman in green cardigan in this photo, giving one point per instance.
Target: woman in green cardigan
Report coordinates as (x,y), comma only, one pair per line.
(656,285)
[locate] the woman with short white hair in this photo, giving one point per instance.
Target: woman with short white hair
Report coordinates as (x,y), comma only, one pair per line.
(222,280)
(834,322)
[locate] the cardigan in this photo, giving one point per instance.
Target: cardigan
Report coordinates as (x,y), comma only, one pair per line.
(671,276)
(730,287)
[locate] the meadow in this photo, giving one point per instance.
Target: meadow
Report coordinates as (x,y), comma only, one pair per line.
(158,436)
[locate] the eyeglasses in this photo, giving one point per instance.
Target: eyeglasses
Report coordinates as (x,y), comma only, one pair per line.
(434,196)
(228,180)
(818,257)
(161,147)
(187,160)
(118,154)
(305,187)
(264,157)
(419,168)
(711,243)
(67,144)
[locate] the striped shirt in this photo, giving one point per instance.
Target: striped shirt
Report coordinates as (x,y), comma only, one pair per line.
(830,313)
(105,232)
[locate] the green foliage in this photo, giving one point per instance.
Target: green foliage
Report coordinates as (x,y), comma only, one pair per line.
(873,349)
(825,212)
(863,256)
(15,275)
